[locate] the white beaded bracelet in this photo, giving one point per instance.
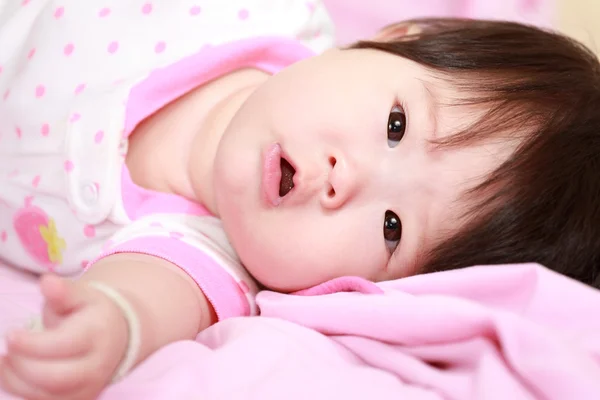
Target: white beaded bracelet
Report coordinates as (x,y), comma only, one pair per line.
(133,325)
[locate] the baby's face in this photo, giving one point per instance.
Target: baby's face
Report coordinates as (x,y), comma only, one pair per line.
(370,194)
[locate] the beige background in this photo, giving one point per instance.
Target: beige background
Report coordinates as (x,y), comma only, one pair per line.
(580,19)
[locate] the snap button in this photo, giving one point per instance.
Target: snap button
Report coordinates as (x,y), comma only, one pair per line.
(123,147)
(90,193)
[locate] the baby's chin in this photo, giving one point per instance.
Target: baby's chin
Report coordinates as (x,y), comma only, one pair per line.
(274,279)
(282,277)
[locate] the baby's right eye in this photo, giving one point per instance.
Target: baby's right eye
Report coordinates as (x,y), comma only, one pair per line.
(392,230)
(396,126)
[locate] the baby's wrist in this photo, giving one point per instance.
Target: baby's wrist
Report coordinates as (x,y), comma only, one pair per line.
(133,341)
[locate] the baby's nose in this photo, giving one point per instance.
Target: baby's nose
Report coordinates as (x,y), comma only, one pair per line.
(341,184)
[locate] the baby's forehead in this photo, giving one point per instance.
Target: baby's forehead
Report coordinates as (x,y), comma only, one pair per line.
(466,150)
(466,116)
(450,195)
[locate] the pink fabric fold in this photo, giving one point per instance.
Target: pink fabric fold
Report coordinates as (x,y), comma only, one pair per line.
(490,332)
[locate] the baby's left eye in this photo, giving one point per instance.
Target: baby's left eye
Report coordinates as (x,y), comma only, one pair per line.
(396,126)
(392,230)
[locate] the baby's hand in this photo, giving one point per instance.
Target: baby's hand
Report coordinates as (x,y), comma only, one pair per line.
(75,356)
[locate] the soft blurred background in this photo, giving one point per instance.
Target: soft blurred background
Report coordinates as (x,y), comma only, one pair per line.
(577,18)
(359,18)
(581,19)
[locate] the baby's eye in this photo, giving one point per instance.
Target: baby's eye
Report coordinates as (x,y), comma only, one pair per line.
(396,126)
(392,230)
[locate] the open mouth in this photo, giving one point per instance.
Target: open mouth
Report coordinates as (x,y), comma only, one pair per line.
(287,177)
(277,175)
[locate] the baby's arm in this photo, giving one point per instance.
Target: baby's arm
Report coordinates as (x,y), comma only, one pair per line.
(86,334)
(168,303)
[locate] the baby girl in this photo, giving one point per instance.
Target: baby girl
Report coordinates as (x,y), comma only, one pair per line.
(185,156)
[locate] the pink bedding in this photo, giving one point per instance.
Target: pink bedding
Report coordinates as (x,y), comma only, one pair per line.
(503,332)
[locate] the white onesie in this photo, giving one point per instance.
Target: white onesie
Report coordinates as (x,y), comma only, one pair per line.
(76,77)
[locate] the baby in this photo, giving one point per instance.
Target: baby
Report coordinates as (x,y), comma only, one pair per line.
(437,144)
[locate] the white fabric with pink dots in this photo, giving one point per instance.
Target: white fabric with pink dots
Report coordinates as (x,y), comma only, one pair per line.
(76,77)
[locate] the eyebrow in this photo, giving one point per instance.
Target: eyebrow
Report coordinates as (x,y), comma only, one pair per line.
(432,106)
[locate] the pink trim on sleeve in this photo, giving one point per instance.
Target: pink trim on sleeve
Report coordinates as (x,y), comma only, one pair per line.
(220,288)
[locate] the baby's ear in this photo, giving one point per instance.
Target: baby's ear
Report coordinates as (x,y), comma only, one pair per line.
(398,31)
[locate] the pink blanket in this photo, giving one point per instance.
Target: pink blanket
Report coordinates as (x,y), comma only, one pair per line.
(503,332)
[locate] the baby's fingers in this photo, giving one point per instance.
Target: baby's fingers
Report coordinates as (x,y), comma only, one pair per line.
(12,383)
(70,339)
(51,378)
(61,295)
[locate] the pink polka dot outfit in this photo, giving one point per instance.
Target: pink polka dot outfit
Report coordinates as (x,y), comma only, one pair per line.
(76,78)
